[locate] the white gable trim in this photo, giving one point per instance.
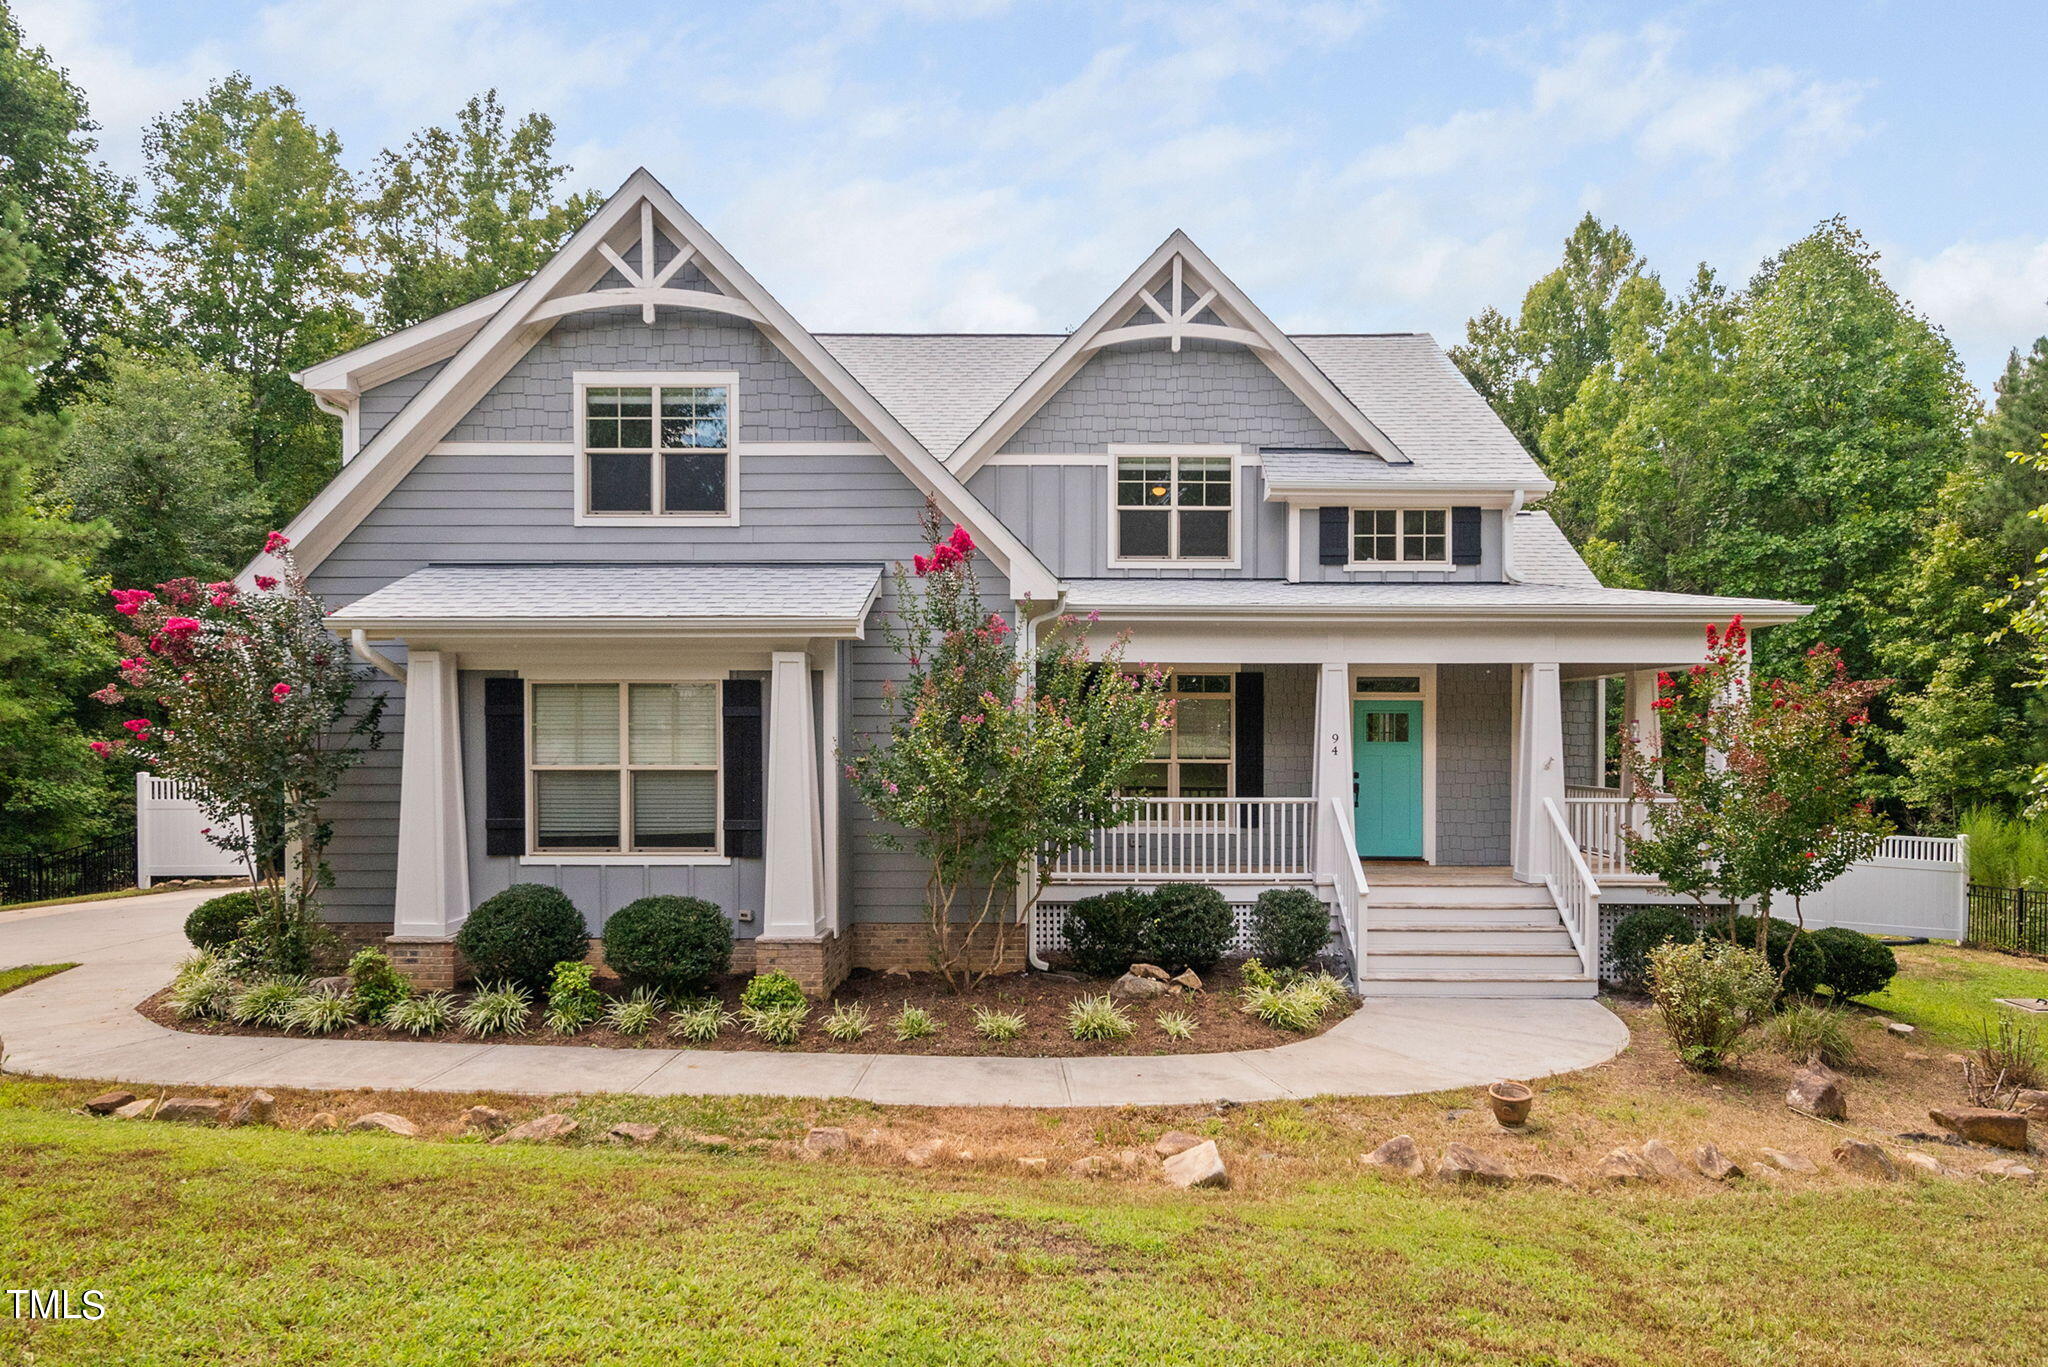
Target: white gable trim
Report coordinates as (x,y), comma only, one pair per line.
(525,316)
(1123,318)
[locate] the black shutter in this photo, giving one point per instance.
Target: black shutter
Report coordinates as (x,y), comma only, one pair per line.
(1251,735)
(1334,535)
(504,766)
(744,769)
(1464,536)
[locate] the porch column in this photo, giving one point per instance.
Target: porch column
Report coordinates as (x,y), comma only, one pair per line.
(1539,767)
(1641,718)
(431,895)
(794,846)
(1333,758)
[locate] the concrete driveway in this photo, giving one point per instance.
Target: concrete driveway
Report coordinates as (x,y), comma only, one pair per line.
(83,1024)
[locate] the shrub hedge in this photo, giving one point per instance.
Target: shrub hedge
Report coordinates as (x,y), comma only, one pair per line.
(519,935)
(1290,926)
(217,922)
(675,944)
(1641,931)
(1790,951)
(1854,964)
(1176,926)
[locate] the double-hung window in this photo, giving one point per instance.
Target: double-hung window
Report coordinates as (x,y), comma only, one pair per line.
(657,450)
(1193,757)
(1401,536)
(621,768)
(1172,507)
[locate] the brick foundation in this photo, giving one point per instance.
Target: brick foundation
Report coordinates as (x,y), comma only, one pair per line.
(905,947)
(818,965)
(434,965)
(360,934)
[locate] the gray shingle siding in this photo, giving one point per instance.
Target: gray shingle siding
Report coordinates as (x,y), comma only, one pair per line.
(1142,392)
(1582,724)
(1474,727)
(1290,730)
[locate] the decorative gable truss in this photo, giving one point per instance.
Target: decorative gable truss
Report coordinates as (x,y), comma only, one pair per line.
(1178,293)
(640,249)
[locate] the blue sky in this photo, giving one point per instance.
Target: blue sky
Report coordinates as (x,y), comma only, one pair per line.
(982,165)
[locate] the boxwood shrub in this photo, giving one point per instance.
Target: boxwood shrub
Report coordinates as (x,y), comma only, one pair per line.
(1854,964)
(1106,933)
(519,935)
(217,922)
(1190,927)
(1641,931)
(1290,926)
(1790,950)
(673,944)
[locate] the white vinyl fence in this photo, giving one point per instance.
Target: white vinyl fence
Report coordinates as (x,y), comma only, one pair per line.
(168,843)
(1914,885)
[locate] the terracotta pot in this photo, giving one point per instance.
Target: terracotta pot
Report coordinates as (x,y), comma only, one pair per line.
(1511,1102)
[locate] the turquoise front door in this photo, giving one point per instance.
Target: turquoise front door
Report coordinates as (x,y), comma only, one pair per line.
(1386,771)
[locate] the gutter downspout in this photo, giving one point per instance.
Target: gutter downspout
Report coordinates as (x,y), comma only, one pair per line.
(1027,651)
(1508,571)
(359,644)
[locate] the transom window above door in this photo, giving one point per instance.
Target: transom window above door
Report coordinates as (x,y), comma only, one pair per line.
(1193,758)
(657,449)
(1396,536)
(1175,507)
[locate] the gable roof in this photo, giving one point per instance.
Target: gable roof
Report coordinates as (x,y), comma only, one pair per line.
(1544,555)
(575,279)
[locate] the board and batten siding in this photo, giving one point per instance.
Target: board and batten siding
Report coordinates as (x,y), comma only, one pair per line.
(516,505)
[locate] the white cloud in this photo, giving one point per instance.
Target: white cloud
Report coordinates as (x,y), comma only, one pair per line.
(124,89)
(1988,296)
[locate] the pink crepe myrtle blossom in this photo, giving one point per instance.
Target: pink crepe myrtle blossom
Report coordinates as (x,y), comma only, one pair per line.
(136,725)
(101,748)
(128,602)
(180,626)
(108,695)
(280,691)
(275,542)
(266,582)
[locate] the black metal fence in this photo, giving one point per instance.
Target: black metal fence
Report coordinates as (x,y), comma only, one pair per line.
(2011,919)
(108,866)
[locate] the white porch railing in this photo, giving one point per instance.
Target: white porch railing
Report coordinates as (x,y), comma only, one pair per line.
(1599,820)
(1572,884)
(1215,839)
(1347,878)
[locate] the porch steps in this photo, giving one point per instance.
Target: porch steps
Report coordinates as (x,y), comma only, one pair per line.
(1474,937)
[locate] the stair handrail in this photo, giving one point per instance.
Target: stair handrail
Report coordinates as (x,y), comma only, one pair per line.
(1347,878)
(1572,886)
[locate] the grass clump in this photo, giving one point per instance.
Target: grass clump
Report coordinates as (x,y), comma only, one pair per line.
(268,1002)
(1810,1032)
(2007,1059)
(914,1022)
(778,1024)
(699,1022)
(426,1014)
(847,1022)
(498,1009)
(204,988)
(321,1013)
(1098,1019)
(998,1026)
(635,1014)
(1177,1025)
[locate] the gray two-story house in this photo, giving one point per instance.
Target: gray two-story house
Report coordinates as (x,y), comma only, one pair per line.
(619,538)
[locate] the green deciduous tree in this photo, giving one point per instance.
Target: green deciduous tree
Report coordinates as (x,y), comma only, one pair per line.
(156,453)
(459,214)
(75,217)
(255,269)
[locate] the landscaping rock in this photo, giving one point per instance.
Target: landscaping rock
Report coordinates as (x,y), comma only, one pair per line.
(823,1139)
(194,1110)
(1189,979)
(1133,985)
(1152,971)
(633,1132)
(321,1120)
(1817,1091)
(1201,1166)
(1865,1160)
(1032,1164)
(544,1129)
(1541,1177)
(136,1110)
(1899,1028)
(1623,1165)
(484,1120)
(106,1103)
(1663,1160)
(1764,1173)
(257,1108)
(1510,1102)
(1173,1142)
(1925,1164)
(925,1154)
(1713,1165)
(1982,1125)
(2006,1170)
(386,1122)
(336,986)
(2028,1101)
(1463,1164)
(1398,1156)
(1094,1165)
(1788,1162)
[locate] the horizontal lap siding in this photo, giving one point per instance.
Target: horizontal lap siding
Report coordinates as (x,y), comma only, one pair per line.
(1062,512)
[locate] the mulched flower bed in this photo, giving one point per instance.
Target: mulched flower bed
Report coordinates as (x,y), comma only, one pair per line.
(1220,1026)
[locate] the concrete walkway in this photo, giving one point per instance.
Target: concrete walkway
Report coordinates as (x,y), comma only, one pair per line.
(83,1024)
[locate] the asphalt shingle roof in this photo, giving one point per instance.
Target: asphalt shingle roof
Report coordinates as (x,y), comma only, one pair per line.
(939,385)
(1273,595)
(1543,554)
(594,595)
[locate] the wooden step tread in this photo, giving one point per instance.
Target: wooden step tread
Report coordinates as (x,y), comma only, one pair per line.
(1461,975)
(1550,927)
(1469,952)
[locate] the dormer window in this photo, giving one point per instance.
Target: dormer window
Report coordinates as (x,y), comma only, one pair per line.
(655,447)
(1174,506)
(1401,536)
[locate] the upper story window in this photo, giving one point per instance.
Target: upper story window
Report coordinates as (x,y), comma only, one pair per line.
(1176,507)
(1401,536)
(657,449)
(624,767)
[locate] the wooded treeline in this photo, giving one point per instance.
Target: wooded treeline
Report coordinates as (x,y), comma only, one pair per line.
(1807,435)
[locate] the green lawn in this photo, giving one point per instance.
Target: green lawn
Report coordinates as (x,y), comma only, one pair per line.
(245,1246)
(1949,993)
(11,978)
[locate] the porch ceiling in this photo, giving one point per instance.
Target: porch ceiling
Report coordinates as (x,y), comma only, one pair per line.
(610,600)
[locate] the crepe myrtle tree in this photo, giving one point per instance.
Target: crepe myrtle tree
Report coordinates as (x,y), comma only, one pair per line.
(254,704)
(990,758)
(1757,793)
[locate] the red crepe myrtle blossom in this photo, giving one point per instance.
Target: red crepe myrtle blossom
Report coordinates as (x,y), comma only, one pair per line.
(275,542)
(136,725)
(101,748)
(280,691)
(128,602)
(266,582)
(180,626)
(1664,704)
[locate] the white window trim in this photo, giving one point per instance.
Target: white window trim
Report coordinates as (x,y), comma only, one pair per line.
(1427,697)
(1118,560)
(1174,762)
(676,379)
(625,768)
(1401,563)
